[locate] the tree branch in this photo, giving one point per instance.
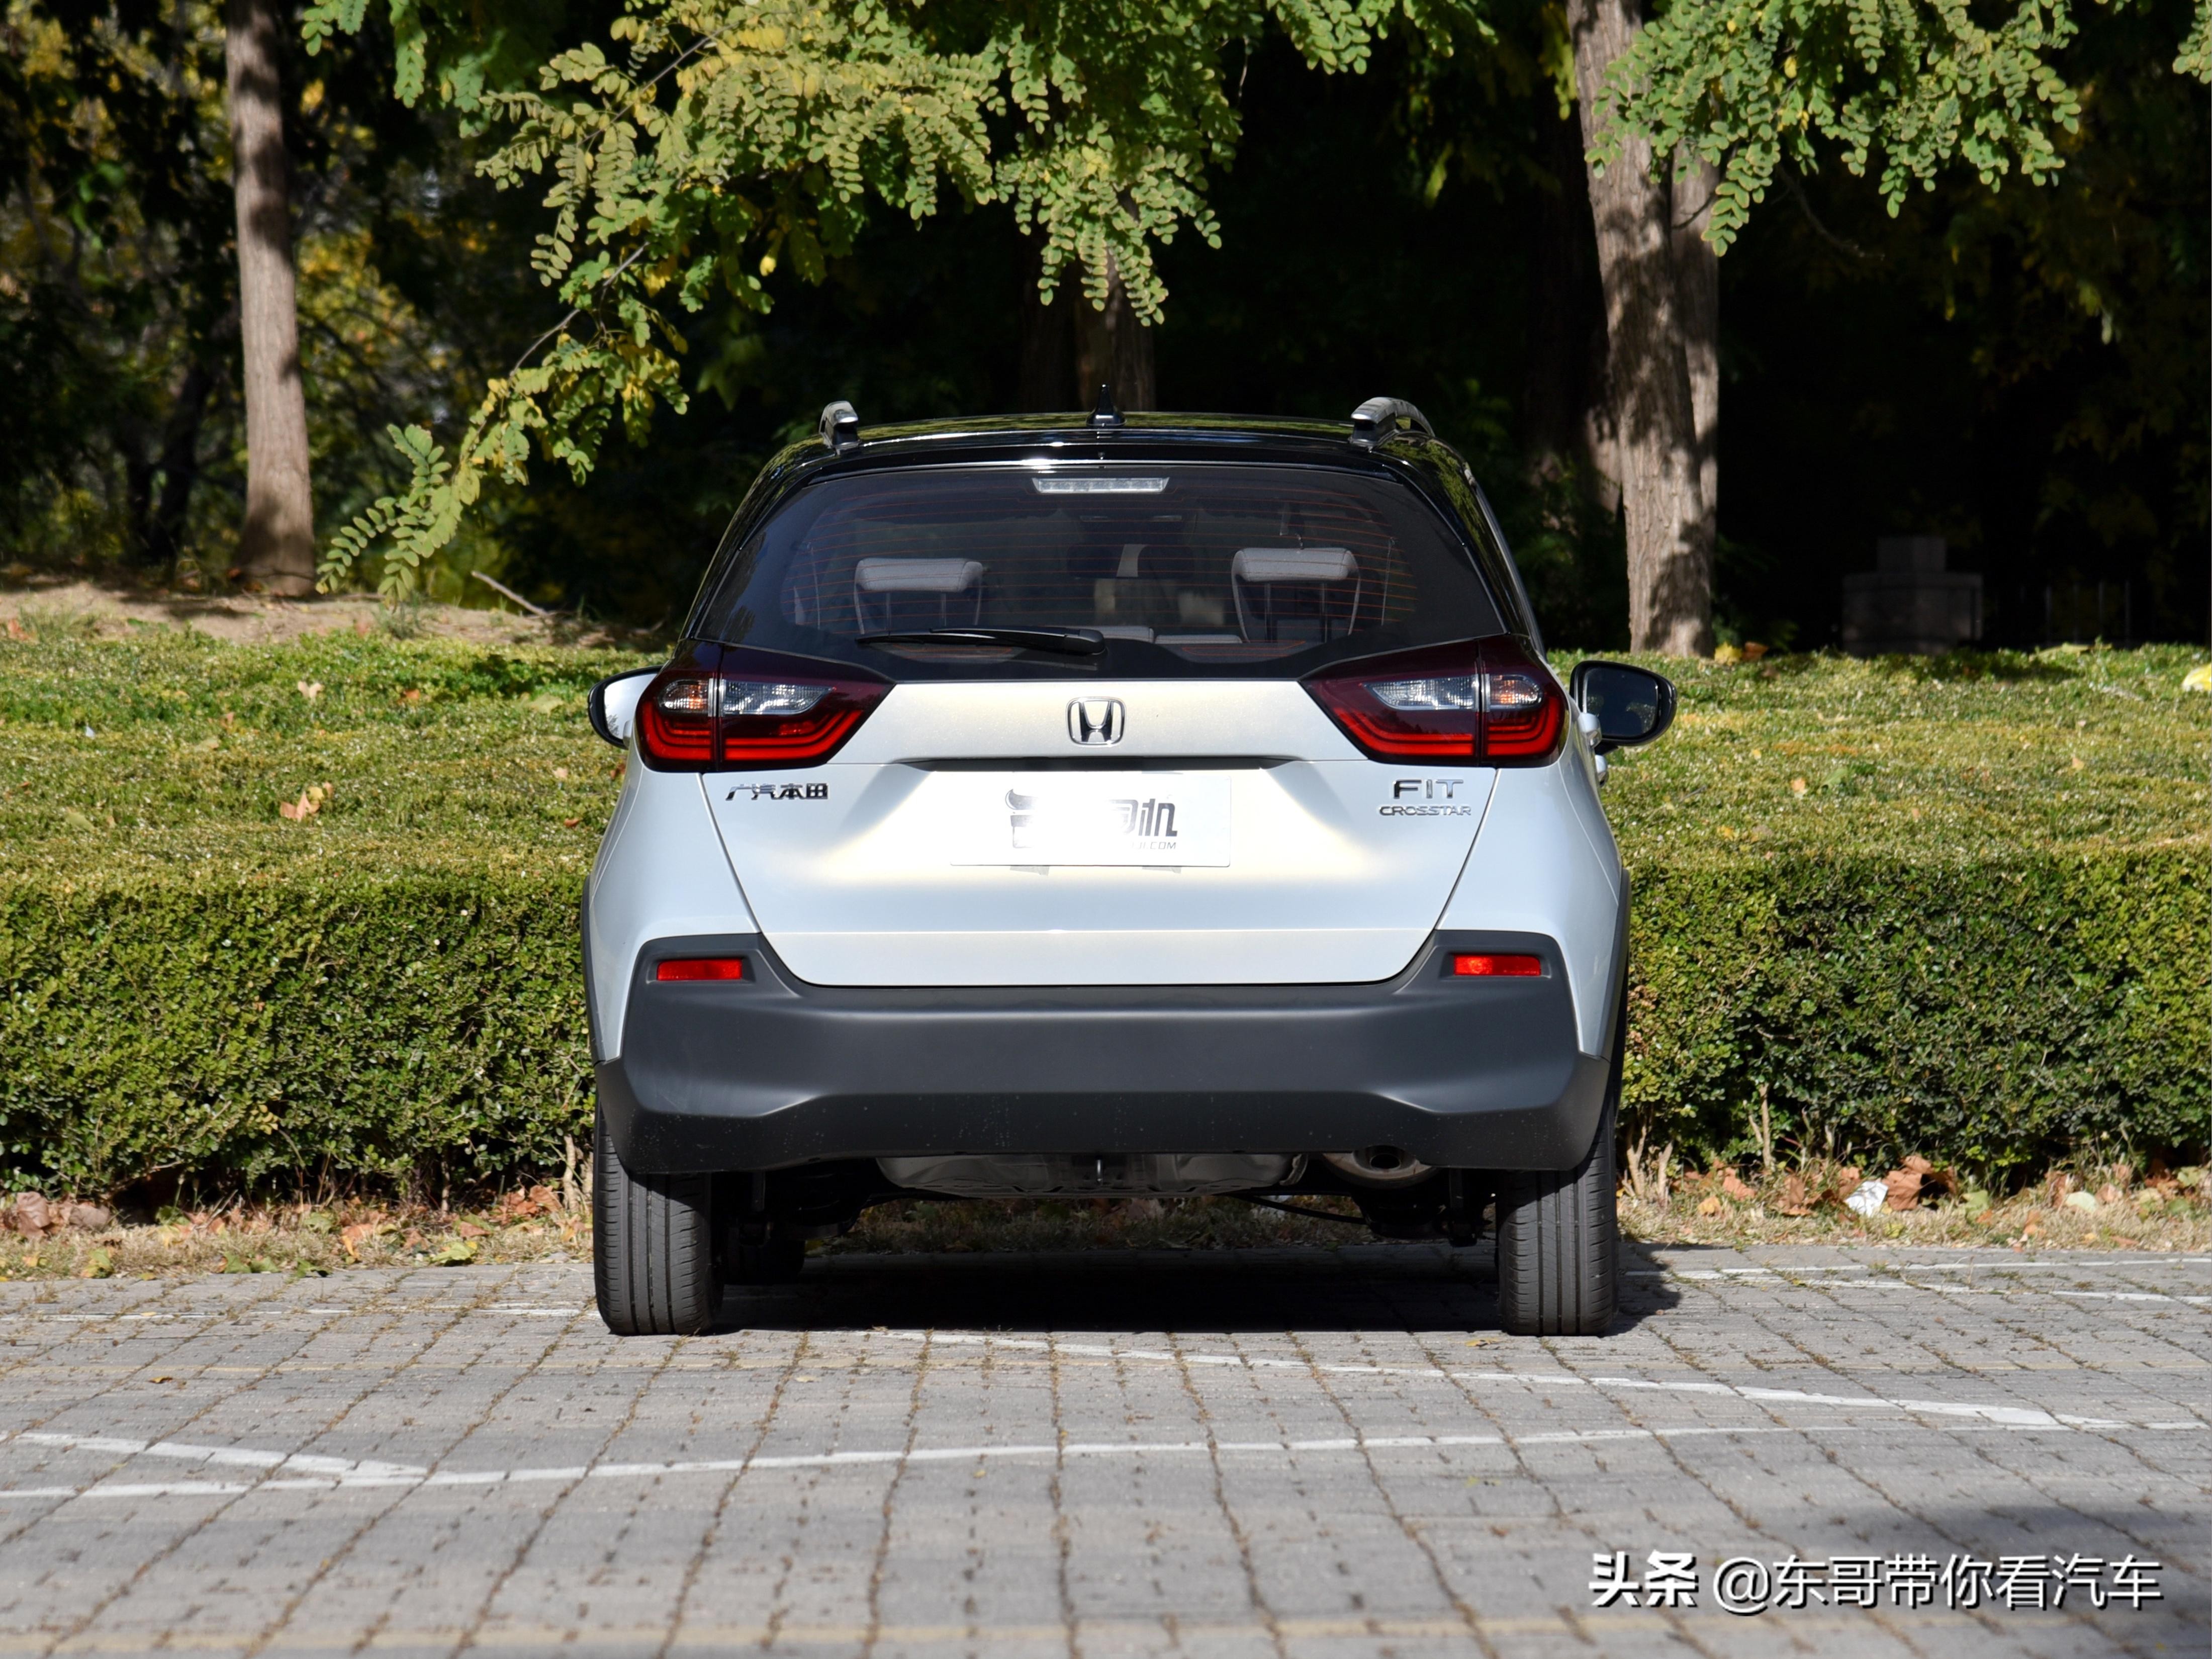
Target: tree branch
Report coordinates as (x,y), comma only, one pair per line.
(575,311)
(1805,205)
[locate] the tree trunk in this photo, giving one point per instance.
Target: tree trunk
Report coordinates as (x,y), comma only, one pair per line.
(1565,308)
(1670,554)
(277,543)
(1048,339)
(1698,291)
(157,522)
(1113,349)
(180,467)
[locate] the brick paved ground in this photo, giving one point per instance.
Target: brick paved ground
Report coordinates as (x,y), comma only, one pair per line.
(1263,1453)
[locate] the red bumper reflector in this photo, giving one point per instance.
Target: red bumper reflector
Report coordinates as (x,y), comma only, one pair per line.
(702,967)
(1470,965)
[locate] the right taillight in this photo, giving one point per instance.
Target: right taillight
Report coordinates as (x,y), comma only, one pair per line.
(736,710)
(1484,701)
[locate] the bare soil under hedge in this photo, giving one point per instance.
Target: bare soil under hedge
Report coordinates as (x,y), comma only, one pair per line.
(303,1239)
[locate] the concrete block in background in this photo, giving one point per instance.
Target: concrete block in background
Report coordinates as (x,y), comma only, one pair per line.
(1909,603)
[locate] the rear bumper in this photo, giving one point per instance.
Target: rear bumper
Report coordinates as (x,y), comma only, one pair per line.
(772,1071)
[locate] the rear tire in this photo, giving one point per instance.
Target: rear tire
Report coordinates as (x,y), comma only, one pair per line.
(1558,1242)
(653,1247)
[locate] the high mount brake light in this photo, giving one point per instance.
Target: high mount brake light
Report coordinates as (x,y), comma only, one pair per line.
(1485,700)
(755,710)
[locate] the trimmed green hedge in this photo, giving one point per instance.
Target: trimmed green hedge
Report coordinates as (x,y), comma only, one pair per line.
(1886,896)
(419,1028)
(2004,1016)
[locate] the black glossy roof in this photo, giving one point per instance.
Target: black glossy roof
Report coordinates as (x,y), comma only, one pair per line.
(1141,434)
(1077,426)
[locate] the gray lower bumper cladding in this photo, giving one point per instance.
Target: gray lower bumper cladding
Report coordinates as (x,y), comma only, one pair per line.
(770,1072)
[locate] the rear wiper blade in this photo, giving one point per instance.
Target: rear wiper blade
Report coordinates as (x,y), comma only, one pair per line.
(1072,641)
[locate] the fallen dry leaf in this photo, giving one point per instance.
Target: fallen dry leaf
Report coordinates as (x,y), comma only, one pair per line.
(33,1214)
(1793,1199)
(1733,1186)
(1797,786)
(311,689)
(570,823)
(470,1230)
(1711,1206)
(1904,1189)
(310,802)
(1846,1181)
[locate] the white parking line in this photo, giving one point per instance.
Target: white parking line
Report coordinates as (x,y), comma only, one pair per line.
(1867,1280)
(369,1476)
(506,1310)
(305,1462)
(2027,1416)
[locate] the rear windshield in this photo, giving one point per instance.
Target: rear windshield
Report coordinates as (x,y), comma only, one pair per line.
(1185,568)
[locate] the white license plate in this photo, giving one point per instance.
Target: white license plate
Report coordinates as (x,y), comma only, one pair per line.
(1177,819)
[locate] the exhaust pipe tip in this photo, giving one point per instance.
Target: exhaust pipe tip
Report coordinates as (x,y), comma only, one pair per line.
(1379,1167)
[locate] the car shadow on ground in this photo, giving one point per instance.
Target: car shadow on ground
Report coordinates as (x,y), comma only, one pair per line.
(1368,1287)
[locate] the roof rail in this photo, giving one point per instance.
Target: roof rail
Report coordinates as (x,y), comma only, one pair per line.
(839,428)
(1381,418)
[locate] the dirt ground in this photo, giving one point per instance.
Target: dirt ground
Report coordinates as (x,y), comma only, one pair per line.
(107,611)
(542,1224)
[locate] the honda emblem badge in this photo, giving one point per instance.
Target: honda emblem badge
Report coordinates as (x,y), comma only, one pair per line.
(1095,720)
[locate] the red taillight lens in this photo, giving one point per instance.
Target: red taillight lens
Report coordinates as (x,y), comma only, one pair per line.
(675,720)
(694,968)
(757,710)
(1471,964)
(780,722)
(1486,700)
(1523,711)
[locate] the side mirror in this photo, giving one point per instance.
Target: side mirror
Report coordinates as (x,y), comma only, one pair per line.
(1631,705)
(613,703)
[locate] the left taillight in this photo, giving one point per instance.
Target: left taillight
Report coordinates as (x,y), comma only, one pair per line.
(753,710)
(1485,700)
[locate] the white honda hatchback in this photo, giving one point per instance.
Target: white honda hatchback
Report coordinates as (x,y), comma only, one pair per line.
(1055,805)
